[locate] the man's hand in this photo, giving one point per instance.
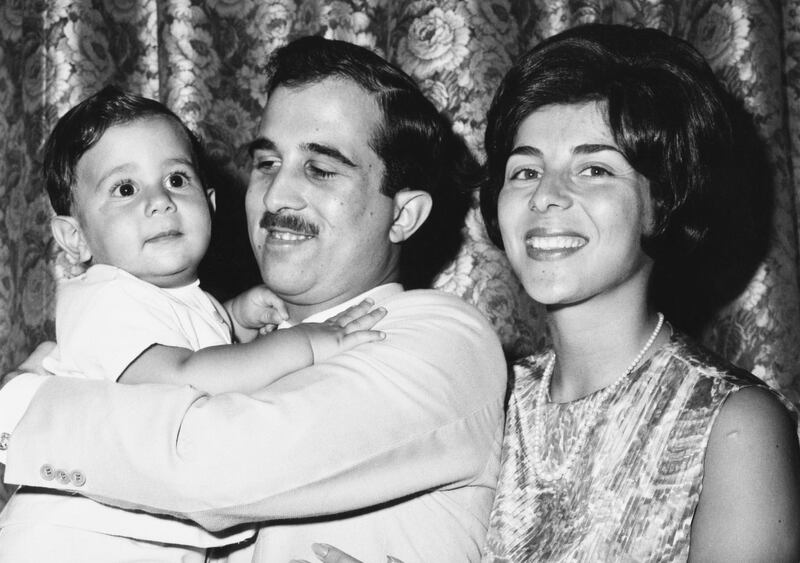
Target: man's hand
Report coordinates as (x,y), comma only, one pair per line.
(329,554)
(32,364)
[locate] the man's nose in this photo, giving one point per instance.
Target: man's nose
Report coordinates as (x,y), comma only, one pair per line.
(552,191)
(285,191)
(159,200)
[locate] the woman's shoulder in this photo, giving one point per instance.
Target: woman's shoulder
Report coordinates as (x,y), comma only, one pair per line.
(750,488)
(705,364)
(748,506)
(744,396)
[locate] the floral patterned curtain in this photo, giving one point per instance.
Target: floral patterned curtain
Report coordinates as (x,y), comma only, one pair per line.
(206,61)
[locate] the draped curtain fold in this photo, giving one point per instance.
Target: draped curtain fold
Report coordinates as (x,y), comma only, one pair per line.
(206,61)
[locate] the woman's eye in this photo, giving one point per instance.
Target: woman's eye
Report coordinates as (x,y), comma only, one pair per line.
(526,174)
(124,189)
(177,180)
(595,171)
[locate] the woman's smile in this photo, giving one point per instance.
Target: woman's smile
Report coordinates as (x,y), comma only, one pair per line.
(542,244)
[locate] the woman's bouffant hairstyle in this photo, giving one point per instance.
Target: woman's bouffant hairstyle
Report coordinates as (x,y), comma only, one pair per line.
(664,109)
(81,128)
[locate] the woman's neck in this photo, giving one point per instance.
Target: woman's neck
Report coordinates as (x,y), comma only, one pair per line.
(596,341)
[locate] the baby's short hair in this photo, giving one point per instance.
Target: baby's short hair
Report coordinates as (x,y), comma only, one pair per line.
(81,128)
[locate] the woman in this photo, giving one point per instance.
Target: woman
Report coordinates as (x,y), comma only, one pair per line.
(608,149)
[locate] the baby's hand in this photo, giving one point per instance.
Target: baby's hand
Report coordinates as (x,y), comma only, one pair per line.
(257,308)
(346,330)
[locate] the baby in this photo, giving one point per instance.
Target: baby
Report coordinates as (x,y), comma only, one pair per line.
(125,177)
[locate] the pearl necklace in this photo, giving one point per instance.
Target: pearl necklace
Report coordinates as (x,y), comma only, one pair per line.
(588,421)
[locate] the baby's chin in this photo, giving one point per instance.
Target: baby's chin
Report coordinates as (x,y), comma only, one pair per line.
(169,279)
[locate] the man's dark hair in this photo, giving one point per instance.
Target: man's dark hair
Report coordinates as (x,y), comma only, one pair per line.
(671,119)
(81,128)
(416,143)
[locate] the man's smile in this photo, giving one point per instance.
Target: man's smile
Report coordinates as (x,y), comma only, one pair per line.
(287,228)
(287,236)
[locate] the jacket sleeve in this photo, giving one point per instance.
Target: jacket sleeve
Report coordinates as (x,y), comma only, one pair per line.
(418,411)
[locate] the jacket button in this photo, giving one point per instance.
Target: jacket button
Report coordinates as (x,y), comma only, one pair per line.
(62,476)
(47,472)
(78,478)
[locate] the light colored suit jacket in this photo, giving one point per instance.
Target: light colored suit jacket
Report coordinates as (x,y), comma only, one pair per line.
(392,447)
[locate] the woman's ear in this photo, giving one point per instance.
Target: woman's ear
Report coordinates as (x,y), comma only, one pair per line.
(69,236)
(411,209)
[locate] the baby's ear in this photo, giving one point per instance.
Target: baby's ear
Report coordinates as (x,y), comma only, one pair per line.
(69,236)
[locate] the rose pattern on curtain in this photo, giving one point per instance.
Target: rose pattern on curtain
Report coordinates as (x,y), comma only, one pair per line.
(206,61)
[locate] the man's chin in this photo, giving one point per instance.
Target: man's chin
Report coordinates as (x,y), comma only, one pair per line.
(286,279)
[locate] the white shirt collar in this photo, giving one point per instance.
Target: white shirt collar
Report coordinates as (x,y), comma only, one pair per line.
(377,294)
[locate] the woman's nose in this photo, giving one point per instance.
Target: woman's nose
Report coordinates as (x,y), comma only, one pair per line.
(552,191)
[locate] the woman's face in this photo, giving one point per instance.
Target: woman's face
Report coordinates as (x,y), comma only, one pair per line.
(572,210)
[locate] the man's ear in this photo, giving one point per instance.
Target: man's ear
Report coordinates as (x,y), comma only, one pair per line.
(69,236)
(211,195)
(411,208)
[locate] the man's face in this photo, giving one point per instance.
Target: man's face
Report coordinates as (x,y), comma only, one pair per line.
(318,223)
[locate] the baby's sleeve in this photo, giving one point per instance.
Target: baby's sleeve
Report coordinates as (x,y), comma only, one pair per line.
(102,330)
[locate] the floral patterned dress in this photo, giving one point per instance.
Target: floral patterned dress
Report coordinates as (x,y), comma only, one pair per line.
(635,484)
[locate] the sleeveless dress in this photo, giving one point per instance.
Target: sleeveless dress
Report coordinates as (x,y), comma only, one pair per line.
(635,483)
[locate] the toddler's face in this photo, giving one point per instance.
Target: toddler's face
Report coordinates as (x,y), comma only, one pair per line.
(140,203)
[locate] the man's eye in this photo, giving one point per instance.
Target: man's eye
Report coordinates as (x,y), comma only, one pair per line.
(177,180)
(317,172)
(124,189)
(265,164)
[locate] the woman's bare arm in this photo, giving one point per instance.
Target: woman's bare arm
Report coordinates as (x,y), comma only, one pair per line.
(749,509)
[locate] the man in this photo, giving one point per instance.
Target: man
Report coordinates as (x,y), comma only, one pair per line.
(389,448)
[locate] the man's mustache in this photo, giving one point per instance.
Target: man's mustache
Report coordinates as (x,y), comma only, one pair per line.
(289,222)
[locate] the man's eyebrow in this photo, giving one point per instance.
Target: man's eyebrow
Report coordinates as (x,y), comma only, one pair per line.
(261,143)
(329,151)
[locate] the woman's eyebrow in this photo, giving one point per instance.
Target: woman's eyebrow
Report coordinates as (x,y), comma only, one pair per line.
(593,148)
(526,150)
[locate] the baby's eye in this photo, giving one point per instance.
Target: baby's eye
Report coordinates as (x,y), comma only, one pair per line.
(124,189)
(177,180)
